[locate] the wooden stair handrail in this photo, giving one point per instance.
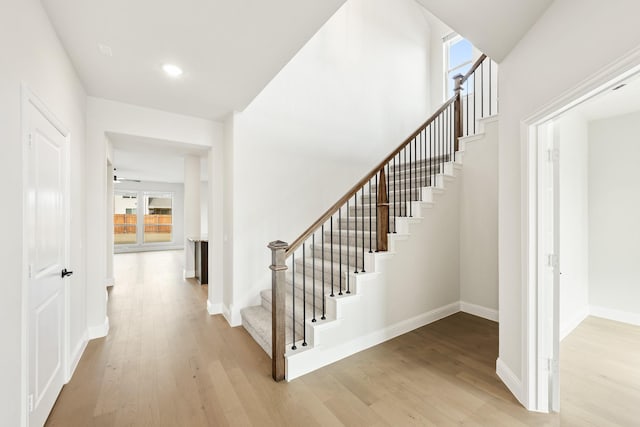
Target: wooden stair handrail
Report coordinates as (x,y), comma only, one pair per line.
(473,68)
(337,205)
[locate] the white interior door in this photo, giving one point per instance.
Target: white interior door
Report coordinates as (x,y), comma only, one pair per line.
(548,269)
(47,245)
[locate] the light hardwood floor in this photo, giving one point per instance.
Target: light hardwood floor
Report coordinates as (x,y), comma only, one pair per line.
(166,362)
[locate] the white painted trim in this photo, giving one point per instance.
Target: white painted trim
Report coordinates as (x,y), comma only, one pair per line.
(616,315)
(604,79)
(320,356)
(29,98)
(214,308)
(232,315)
(76,355)
(110,281)
(509,378)
(187,274)
(480,311)
(99,331)
(571,324)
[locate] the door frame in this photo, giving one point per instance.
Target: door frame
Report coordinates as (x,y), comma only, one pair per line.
(30,99)
(537,393)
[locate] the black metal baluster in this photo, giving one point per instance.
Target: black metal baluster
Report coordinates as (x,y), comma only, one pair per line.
(324,295)
(404,169)
(395,198)
(370,244)
(377,216)
(467,101)
(293,293)
(331,240)
(490,107)
(362,217)
(475,107)
(482,90)
(304,297)
(340,249)
(410,182)
(348,248)
(313,274)
(355,217)
(388,199)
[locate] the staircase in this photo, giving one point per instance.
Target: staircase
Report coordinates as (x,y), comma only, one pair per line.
(378,263)
(336,256)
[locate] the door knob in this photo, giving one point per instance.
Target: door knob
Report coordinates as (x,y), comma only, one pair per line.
(66,273)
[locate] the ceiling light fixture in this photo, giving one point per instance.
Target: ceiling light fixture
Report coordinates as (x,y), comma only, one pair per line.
(172,70)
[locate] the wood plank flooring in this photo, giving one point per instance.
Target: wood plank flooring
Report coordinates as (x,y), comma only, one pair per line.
(166,362)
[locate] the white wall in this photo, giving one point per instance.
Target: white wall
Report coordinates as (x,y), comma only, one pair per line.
(350,96)
(177,238)
(479,222)
(204,208)
(614,213)
(571,134)
(559,51)
(30,47)
(111,116)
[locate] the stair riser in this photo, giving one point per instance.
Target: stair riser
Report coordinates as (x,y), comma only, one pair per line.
(351,225)
(415,181)
(357,212)
(414,195)
(346,256)
(301,317)
(424,163)
(327,274)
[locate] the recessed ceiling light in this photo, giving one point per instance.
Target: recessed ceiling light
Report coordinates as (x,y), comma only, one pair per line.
(172,70)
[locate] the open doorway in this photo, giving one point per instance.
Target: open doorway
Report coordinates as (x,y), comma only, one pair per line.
(584,317)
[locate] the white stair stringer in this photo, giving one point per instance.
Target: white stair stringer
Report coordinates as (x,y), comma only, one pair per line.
(412,284)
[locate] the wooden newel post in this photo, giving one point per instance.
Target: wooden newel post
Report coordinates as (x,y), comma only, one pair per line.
(383,213)
(457,112)
(278,281)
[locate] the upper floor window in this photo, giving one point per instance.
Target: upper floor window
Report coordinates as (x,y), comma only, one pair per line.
(458,58)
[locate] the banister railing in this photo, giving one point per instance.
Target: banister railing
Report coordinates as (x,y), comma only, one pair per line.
(360,221)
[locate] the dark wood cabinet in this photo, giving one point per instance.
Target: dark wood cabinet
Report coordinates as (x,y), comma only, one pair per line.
(201,261)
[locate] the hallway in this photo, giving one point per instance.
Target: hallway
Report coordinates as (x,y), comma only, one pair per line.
(166,362)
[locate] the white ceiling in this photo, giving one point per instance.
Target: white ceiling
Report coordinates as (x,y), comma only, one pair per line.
(493,26)
(229,50)
(153,160)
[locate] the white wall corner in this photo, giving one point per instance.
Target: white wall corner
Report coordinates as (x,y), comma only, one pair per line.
(214,308)
(232,315)
(480,311)
(567,327)
(511,380)
(110,281)
(99,331)
(616,315)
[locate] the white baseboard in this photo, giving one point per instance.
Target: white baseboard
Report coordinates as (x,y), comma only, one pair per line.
(231,315)
(320,356)
(617,315)
(100,330)
(188,274)
(571,324)
(76,354)
(214,308)
(110,281)
(511,380)
(480,311)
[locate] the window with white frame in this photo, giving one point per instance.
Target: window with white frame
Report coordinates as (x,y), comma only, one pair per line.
(458,58)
